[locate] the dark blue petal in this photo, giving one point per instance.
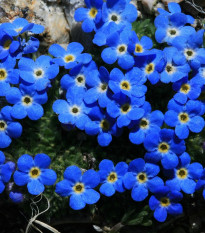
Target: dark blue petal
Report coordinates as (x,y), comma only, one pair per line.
(72,174)
(42,160)
(91,178)
(77,202)
(139,193)
(169,161)
(153,203)
(154,183)
(109,55)
(21,178)
(104,139)
(160,214)
(182,131)
(63,188)
(90,196)
(107,189)
(196,124)
(35,111)
(129,180)
(48,177)
(25,162)
(35,187)
(136,165)
(188,186)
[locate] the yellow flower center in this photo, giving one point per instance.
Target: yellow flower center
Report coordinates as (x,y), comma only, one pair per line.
(27,100)
(144,123)
(93,12)
(125,85)
(3,74)
(34,172)
(164,201)
(149,68)
(7,44)
(18,29)
(125,108)
(138,48)
(142,177)
(105,125)
(183,117)
(112,177)
(185,88)
(69,58)
(3,125)
(78,188)
(163,147)
(182,173)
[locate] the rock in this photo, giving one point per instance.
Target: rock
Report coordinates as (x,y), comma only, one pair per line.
(168,1)
(148,5)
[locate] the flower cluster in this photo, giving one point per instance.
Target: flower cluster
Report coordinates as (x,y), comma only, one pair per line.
(23,81)
(105,100)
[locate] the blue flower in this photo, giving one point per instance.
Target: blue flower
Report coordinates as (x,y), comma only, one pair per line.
(102,124)
(174,71)
(7,45)
(34,172)
(90,15)
(125,109)
(184,118)
(141,177)
(73,111)
(165,201)
(71,57)
(186,89)
(21,25)
(164,146)
(117,50)
(184,175)
(78,76)
(8,127)
(38,72)
(191,49)
(27,102)
(8,75)
(129,84)
(170,27)
(79,187)
(149,123)
(98,87)
(151,64)
(5,171)
(139,47)
(120,12)
(111,177)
